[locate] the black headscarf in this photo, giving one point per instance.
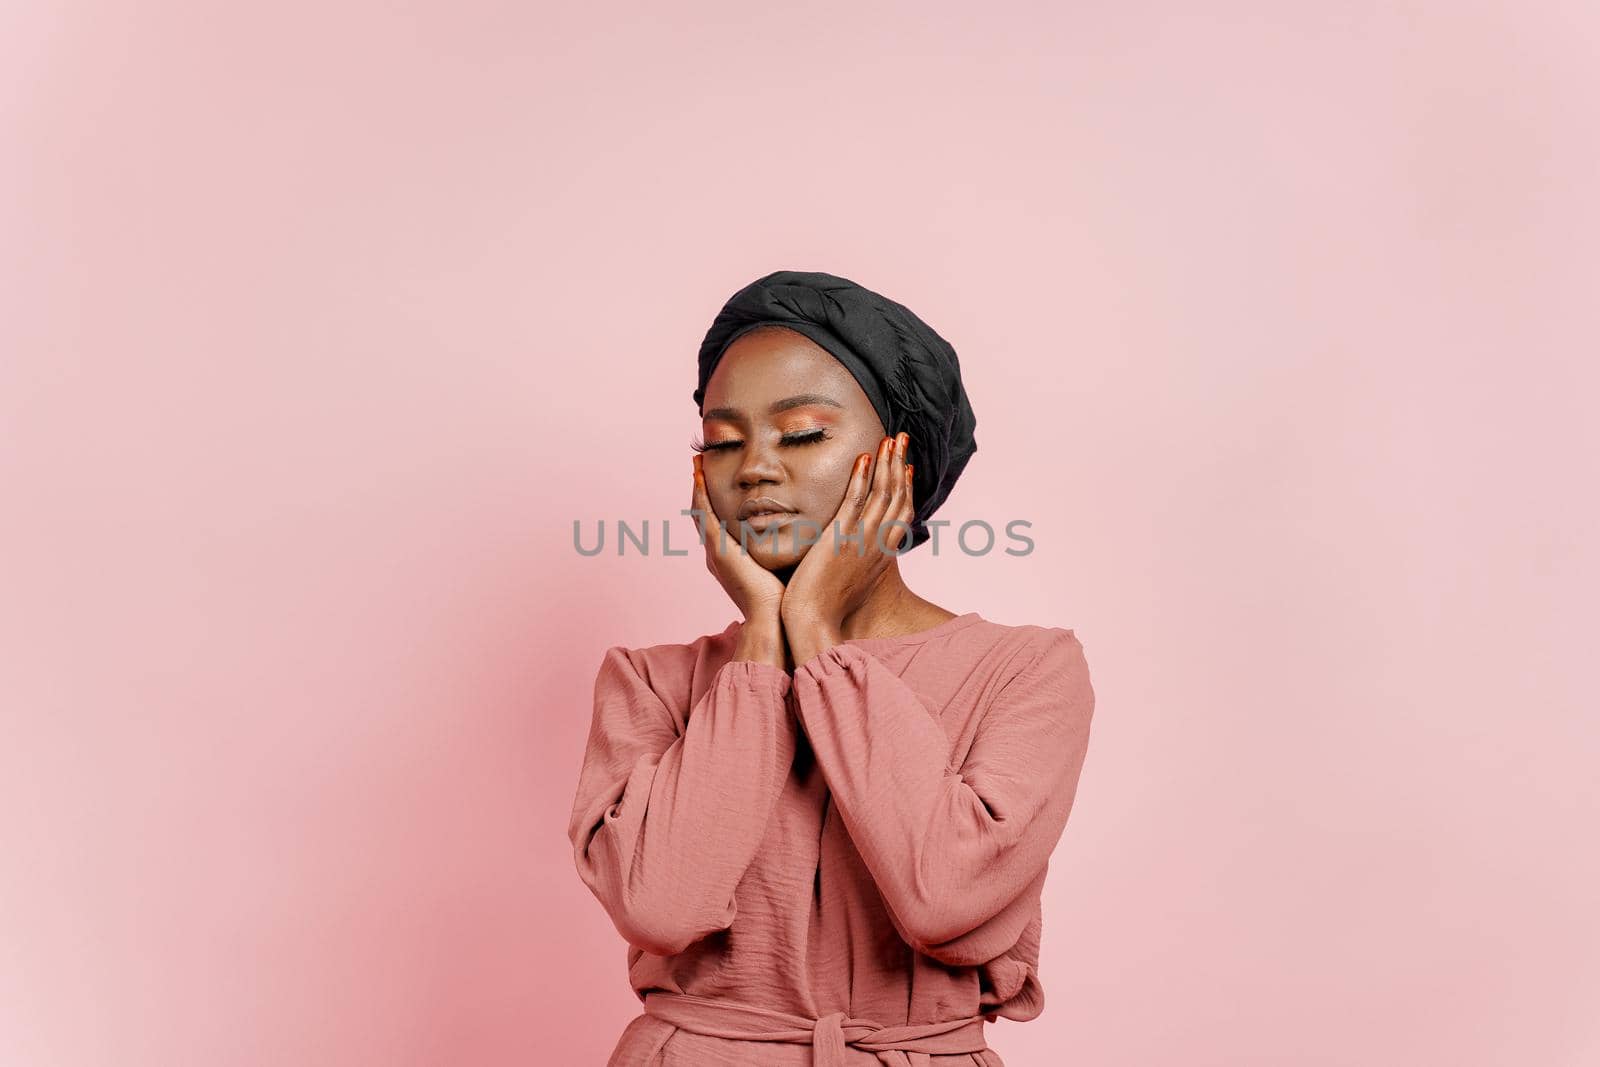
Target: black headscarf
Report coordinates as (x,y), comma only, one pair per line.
(909,373)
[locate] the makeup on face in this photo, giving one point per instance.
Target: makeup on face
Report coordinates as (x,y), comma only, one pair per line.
(803,427)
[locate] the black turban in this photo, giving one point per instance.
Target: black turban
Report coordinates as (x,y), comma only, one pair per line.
(908,371)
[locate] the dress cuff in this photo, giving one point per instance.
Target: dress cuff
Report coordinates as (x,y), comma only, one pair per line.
(757,676)
(832,660)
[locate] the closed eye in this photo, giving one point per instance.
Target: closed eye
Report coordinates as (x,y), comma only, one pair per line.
(801,437)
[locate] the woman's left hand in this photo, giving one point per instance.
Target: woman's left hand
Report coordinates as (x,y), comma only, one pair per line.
(840,570)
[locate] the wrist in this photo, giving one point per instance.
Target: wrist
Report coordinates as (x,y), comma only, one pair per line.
(796,614)
(760,641)
(766,614)
(809,636)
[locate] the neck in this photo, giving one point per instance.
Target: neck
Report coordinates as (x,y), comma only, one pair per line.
(890,607)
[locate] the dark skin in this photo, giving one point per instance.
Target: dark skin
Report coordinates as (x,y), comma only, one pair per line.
(784,419)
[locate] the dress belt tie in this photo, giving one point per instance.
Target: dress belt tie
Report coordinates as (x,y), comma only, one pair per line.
(895,1046)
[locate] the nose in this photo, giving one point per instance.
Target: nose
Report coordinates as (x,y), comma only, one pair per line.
(759,465)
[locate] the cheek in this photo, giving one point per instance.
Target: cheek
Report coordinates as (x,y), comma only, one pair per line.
(724,503)
(827,479)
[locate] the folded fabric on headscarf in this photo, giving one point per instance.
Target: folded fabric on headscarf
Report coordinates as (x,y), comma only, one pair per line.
(909,373)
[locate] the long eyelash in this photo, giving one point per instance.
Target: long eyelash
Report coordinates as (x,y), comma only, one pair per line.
(700,446)
(807,437)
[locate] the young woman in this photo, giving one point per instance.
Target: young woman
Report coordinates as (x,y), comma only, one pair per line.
(824,831)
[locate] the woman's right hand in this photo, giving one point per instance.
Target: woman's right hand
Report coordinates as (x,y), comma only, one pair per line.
(755,590)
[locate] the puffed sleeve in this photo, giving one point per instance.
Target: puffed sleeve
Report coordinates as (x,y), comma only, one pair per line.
(665,821)
(959,854)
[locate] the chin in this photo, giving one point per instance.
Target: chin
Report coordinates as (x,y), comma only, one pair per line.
(776,561)
(777,551)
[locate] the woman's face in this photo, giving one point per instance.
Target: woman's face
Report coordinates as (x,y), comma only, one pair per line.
(783,420)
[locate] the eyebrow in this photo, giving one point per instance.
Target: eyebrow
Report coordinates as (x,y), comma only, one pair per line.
(796,401)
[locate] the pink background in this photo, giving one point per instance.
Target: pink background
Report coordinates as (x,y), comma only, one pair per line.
(322,323)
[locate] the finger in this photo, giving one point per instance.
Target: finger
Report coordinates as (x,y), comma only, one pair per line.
(882,475)
(855,498)
(883,501)
(901,514)
(697,513)
(909,500)
(901,508)
(893,495)
(897,480)
(908,507)
(710,528)
(874,496)
(694,497)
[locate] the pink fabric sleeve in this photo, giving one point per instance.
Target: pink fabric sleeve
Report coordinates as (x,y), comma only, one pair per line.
(665,823)
(959,855)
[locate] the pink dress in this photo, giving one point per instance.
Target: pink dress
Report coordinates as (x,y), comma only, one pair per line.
(841,868)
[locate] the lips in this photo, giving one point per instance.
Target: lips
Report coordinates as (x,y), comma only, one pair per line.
(762,505)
